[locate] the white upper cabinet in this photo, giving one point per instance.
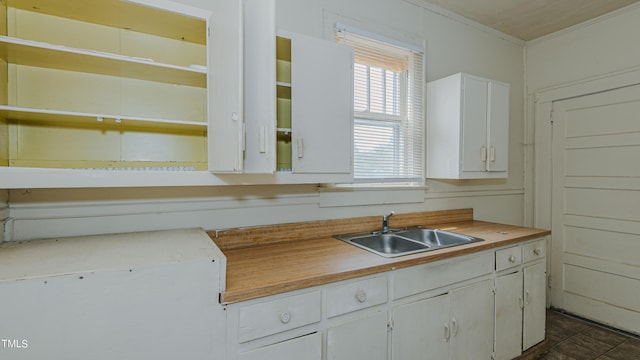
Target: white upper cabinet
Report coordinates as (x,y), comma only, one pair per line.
(298,102)
(467,128)
(146,86)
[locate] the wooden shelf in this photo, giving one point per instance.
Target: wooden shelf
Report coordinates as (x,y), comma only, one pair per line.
(66,117)
(124,15)
(33,53)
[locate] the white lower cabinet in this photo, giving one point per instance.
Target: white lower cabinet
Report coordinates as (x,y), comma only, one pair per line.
(520,300)
(444,310)
(304,347)
(533,325)
(358,319)
(284,326)
(361,338)
(456,325)
(421,329)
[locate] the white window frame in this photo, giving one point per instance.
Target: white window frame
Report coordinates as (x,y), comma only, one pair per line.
(413,148)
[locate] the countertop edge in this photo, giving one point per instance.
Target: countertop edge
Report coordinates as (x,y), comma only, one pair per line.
(249,293)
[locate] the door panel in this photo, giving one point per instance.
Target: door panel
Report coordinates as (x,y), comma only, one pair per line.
(498,159)
(474,123)
(321,100)
(421,330)
(534,304)
(472,316)
(347,341)
(509,302)
(596,144)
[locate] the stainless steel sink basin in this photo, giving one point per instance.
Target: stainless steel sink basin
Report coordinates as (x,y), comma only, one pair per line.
(388,245)
(438,238)
(406,241)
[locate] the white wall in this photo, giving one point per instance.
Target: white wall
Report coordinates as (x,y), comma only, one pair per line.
(453,44)
(577,57)
(604,45)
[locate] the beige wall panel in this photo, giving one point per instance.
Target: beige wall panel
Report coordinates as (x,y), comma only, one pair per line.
(3,19)
(608,119)
(163,101)
(614,246)
(67,90)
(4,82)
(37,141)
(68,32)
(611,204)
(613,161)
(612,289)
(143,146)
(4,142)
(162,50)
(83,35)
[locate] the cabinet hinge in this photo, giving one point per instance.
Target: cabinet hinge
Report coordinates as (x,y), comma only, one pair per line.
(494,290)
(390,325)
(549,281)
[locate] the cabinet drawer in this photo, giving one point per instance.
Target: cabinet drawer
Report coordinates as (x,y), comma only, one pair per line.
(426,277)
(508,257)
(279,315)
(357,295)
(534,250)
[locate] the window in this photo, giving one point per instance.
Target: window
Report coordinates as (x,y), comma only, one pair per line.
(388,120)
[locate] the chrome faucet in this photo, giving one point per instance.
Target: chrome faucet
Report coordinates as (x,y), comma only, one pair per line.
(385,223)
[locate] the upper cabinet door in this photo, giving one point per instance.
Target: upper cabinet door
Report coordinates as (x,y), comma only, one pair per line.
(225,134)
(259,86)
(474,123)
(322,106)
(498,143)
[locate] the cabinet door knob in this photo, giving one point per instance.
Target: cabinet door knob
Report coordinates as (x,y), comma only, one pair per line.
(537,251)
(285,317)
(361,296)
(512,258)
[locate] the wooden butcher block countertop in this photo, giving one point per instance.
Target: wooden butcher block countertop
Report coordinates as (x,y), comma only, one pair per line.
(258,265)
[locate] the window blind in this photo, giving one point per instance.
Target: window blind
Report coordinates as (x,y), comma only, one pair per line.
(388,110)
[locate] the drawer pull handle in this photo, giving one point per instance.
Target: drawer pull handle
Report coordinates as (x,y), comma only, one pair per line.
(537,252)
(527,297)
(454,325)
(285,317)
(361,296)
(512,258)
(520,302)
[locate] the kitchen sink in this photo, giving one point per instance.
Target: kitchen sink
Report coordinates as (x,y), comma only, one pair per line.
(406,241)
(388,244)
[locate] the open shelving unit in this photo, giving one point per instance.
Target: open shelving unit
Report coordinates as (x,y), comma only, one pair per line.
(283,104)
(104,84)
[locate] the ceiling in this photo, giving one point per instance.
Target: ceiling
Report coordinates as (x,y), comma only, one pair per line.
(530,19)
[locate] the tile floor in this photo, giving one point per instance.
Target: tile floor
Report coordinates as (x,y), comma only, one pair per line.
(570,338)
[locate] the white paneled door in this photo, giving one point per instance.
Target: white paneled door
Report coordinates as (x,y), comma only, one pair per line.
(596,207)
